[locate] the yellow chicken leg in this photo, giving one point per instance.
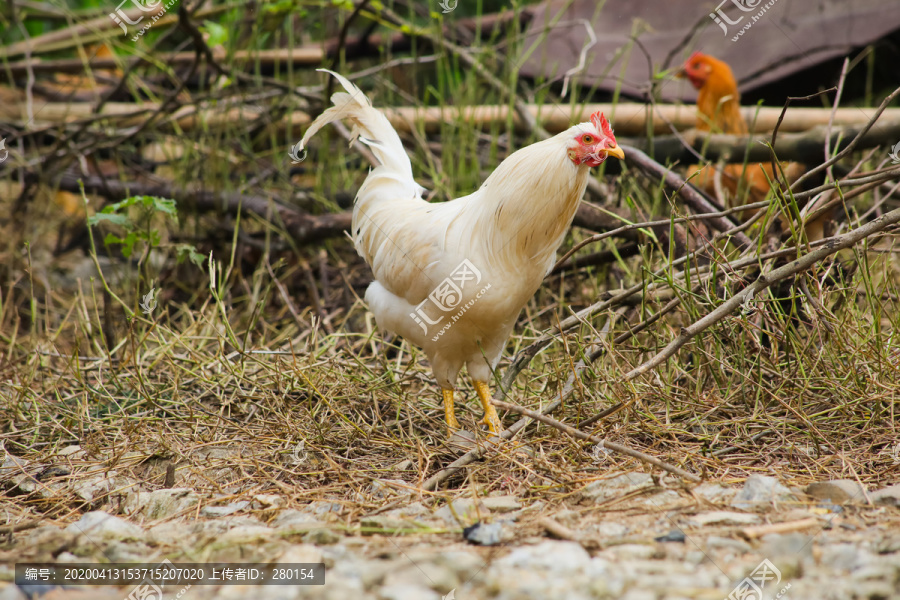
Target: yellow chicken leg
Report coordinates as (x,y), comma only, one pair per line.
(491,419)
(449,415)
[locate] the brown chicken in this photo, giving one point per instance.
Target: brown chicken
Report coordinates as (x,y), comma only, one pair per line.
(719,108)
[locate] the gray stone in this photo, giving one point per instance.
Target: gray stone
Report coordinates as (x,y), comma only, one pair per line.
(714,492)
(407,592)
(558,557)
(761,491)
(716,543)
(160,504)
(301,553)
(267,501)
(462,512)
(13,466)
(289,518)
(788,552)
(488,534)
(386,523)
(661,500)
(98,525)
(324,509)
(889,496)
(465,564)
(611,529)
(838,491)
(607,489)
(387,488)
(10,591)
(889,544)
(422,571)
(322,537)
(100,485)
(415,510)
(502,503)
(170,533)
(632,552)
(246,534)
(224,511)
(844,557)
(723,517)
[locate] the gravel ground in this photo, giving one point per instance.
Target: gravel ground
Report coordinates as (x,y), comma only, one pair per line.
(629,536)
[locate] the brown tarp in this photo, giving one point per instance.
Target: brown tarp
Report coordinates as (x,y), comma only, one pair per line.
(783,37)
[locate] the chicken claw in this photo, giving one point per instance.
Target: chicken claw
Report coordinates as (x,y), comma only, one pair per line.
(491,419)
(449,415)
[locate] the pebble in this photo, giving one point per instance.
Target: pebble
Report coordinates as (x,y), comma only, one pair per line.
(487,534)
(289,519)
(723,517)
(714,492)
(838,491)
(838,564)
(889,496)
(10,591)
(322,537)
(607,489)
(389,524)
(464,512)
(502,503)
(389,488)
(675,535)
(224,511)
(100,526)
(558,557)
(407,592)
(160,504)
(715,543)
(760,491)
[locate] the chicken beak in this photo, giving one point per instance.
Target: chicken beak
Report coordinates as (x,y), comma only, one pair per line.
(616,151)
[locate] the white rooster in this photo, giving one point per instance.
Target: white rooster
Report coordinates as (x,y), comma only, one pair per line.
(452,277)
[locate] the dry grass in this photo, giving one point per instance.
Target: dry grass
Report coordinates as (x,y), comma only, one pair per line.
(224,381)
(269,345)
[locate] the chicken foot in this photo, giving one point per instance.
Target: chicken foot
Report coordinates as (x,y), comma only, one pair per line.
(449,415)
(491,419)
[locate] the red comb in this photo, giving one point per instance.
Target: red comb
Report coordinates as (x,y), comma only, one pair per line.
(600,122)
(696,54)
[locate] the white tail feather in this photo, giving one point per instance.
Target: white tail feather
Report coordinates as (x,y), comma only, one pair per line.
(370,126)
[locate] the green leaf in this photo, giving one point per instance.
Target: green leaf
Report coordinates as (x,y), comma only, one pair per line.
(218,35)
(115,219)
(128,244)
(188,252)
(282,6)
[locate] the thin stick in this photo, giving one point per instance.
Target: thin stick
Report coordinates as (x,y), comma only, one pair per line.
(887,101)
(590,438)
(765,280)
(689,193)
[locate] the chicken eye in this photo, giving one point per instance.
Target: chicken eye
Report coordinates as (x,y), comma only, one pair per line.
(587,139)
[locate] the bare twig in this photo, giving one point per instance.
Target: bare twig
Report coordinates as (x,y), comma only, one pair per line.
(621,449)
(762,282)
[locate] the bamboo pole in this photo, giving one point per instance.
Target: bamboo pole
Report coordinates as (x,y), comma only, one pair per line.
(629,119)
(303,56)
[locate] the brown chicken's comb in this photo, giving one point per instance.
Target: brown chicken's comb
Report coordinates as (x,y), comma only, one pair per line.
(602,124)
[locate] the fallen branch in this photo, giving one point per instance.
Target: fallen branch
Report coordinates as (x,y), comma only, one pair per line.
(621,449)
(762,282)
(691,195)
(805,147)
(303,228)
